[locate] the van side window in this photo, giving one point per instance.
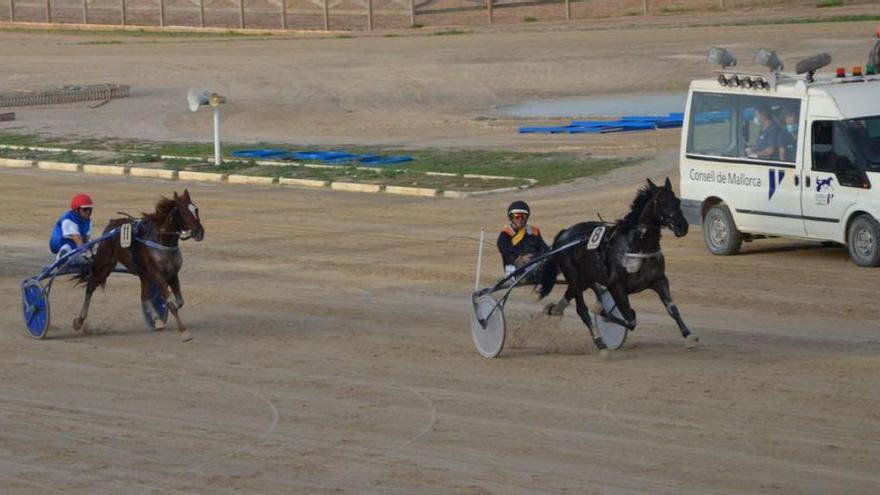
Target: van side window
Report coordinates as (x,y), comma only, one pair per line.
(749,127)
(712,125)
(833,153)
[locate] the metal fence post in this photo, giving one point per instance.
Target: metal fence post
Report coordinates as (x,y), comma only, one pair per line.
(49,11)
(645,7)
(85,11)
(284,15)
(721,4)
(326,15)
(241,14)
(412,13)
(201,13)
(489,10)
(161,13)
(567,10)
(122,9)
(369,15)
(12,10)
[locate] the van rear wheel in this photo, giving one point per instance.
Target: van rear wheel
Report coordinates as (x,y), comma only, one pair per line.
(863,241)
(721,235)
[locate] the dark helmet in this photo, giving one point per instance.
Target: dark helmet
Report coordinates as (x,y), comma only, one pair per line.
(518,207)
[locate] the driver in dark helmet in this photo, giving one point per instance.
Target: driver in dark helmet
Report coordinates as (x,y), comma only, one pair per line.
(518,241)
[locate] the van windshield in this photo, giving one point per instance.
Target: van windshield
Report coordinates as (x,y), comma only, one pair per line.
(864,134)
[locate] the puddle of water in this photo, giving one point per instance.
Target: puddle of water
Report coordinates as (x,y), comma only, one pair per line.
(598,106)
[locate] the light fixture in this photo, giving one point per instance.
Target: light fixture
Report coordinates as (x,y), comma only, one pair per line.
(196,99)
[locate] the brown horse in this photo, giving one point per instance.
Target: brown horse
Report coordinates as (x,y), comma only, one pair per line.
(154,256)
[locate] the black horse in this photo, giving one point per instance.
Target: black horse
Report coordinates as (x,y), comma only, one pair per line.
(625,259)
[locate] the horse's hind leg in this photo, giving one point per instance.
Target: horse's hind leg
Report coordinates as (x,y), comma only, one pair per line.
(98,276)
(661,287)
(559,308)
(584,313)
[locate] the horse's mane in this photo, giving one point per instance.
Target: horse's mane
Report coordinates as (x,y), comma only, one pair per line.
(635,209)
(163,208)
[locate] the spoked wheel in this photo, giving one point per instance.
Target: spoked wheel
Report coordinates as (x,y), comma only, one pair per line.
(35,306)
(161,309)
(613,334)
(490,340)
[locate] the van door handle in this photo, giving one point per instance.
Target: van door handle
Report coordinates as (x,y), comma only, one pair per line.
(807,180)
(797,180)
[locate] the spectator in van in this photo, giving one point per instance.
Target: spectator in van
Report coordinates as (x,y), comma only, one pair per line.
(769,144)
(790,136)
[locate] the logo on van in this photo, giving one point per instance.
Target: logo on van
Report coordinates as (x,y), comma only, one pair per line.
(776,177)
(824,190)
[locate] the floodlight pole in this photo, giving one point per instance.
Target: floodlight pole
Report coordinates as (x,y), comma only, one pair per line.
(217,136)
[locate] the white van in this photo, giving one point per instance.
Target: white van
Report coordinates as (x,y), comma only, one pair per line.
(778,154)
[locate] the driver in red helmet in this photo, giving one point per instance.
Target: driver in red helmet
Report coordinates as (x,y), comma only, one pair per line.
(518,241)
(74,227)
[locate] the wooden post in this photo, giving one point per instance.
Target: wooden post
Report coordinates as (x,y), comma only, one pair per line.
(721,4)
(412,13)
(241,14)
(326,15)
(369,15)
(284,15)
(85,11)
(567,10)
(161,13)
(12,10)
(201,13)
(48,10)
(489,10)
(122,9)
(645,7)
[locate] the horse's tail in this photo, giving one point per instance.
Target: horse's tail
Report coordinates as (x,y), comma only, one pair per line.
(549,271)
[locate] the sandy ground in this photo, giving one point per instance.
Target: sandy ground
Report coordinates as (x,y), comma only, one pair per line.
(332,352)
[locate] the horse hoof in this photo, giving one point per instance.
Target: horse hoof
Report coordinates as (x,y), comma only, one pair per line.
(80,325)
(553,310)
(158,324)
(604,354)
(691,341)
(185,336)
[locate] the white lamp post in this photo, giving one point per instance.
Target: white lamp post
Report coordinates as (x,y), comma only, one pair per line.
(197,99)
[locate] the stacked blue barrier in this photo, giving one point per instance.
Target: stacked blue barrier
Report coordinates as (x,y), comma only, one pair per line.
(328,157)
(624,124)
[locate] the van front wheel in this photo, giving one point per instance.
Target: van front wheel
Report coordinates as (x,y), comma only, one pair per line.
(863,241)
(721,235)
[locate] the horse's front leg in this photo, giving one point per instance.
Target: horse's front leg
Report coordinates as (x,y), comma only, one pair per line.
(661,287)
(146,282)
(79,323)
(174,283)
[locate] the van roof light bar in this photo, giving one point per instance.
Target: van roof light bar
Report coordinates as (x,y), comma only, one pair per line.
(721,57)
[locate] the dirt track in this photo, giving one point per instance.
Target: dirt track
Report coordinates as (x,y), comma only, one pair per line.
(332,352)
(332,355)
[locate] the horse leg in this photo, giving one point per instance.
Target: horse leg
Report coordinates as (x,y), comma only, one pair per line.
(559,308)
(661,287)
(621,299)
(99,273)
(584,313)
(174,283)
(146,281)
(79,323)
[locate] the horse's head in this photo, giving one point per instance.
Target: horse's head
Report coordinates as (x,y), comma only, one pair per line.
(667,208)
(189,215)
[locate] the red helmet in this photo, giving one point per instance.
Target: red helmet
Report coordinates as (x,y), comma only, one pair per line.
(81,201)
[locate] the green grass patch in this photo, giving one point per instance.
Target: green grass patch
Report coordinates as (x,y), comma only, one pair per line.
(546,168)
(529,18)
(829,3)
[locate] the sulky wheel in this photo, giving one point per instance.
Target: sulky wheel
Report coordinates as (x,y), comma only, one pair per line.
(35,306)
